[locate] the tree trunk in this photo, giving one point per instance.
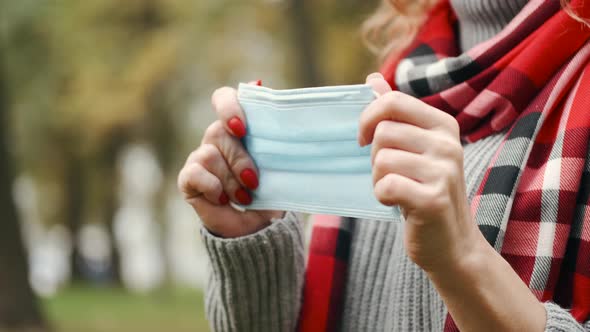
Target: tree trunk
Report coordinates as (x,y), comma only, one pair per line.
(19,310)
(111,206)
(303,31)
(74,206)
(110,201)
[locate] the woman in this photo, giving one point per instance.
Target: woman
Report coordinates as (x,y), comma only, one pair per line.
(494,234)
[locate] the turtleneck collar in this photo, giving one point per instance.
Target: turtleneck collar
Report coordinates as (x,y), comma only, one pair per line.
(480,20)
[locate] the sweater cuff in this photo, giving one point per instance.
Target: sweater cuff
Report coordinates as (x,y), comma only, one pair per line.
(560,320)
(293,218)
(256,280)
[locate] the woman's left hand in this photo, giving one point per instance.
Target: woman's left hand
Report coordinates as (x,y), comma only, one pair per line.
(417,161)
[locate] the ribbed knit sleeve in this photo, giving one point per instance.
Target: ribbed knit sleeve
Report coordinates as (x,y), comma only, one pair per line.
(256,281)
(560,320)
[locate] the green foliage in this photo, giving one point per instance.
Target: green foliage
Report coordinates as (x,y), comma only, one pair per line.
(86,78)
(80,69)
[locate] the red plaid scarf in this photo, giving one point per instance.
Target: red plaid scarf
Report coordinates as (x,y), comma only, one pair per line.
(533,205)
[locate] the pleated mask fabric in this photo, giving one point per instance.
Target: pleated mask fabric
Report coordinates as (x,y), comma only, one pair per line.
(304,143)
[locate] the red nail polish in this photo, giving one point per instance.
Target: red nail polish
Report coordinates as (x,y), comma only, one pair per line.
(259,82)
(249,178)
(237,127)
(243,197)
(223,199)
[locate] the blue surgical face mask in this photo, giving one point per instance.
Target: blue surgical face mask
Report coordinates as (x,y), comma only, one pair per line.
(304,143)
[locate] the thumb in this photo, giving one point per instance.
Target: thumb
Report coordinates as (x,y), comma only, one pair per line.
(378,83)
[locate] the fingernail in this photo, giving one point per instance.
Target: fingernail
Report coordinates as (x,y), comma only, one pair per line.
(259,82)
(237,127)
(223,199)
(243,197)
(249,178)
(361,141)
(375,76)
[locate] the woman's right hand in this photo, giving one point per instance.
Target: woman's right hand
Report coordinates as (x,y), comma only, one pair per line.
(221,170)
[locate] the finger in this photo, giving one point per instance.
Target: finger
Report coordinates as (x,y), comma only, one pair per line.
(407,164)
(399,107)
(378,83)
(234,153)
(214,162)
(401,136)
(394,189)
(226,105)
(194,180)
(257,82)
(228,222)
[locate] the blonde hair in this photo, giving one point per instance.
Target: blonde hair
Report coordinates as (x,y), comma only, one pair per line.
(395,23)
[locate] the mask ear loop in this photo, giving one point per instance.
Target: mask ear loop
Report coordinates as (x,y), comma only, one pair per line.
(237,207)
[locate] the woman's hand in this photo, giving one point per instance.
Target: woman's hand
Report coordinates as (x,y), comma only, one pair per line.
(418,164)
(221,170)
(417,161)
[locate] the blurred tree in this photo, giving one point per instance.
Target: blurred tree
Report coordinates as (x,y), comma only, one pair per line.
(304,41)
(18,307)
(107,68)
(325,45)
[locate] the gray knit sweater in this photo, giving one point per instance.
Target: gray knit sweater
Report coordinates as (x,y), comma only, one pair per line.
(256,281)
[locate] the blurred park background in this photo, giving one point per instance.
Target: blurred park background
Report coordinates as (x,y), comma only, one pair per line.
(100,103)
